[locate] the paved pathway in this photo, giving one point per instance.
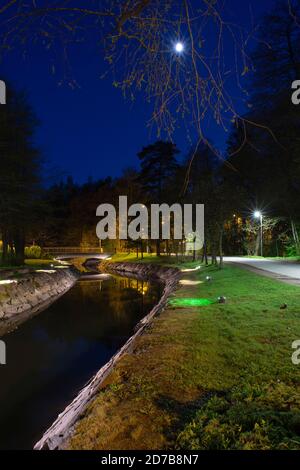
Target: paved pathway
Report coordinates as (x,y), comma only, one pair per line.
(282,270)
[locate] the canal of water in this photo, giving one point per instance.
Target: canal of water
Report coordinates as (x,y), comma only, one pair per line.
(53,355)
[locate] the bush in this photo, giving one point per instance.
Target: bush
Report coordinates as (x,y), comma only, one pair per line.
(246,419)
(33,252)
(292,249)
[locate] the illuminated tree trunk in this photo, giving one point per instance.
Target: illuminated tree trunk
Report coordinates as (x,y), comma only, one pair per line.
(295,236)
(204,254)
(257,244)
(194,251)
(221,248)
(157,247)
(19,245)
(5,257)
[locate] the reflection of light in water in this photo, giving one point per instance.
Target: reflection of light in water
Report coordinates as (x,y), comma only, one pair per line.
(136,284)
(85,327)
(143,290)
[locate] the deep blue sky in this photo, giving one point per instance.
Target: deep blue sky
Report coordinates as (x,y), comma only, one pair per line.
(91,131)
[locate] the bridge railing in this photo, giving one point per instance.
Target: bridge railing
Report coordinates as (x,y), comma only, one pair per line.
(51,250)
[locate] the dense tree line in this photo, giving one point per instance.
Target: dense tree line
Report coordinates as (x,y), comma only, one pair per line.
(19,177)
(264,148)
(260,171)
(262,165)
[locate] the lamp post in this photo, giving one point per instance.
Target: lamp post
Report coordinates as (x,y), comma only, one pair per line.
(258,215)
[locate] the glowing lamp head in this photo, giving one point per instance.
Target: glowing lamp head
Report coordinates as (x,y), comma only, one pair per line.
(179,47)
(257,214)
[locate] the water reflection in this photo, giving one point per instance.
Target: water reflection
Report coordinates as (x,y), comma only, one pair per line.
(50,357)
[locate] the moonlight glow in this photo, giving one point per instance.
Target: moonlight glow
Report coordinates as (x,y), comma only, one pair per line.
(179,47)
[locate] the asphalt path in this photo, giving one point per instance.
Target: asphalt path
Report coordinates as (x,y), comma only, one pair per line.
(279,269)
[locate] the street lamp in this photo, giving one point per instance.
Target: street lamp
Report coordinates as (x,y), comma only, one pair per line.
(258,215)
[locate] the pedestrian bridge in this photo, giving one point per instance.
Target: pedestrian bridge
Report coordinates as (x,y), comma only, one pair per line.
(68,252)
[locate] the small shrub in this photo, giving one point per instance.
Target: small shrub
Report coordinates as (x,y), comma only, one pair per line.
(246,419)
(291,249)
(33,252)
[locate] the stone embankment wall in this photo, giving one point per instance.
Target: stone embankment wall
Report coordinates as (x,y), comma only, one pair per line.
(145,270)
(29,293)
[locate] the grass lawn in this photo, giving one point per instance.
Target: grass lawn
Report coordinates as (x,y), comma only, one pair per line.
(38,262)
(29,263)
(152,258)
(218,376)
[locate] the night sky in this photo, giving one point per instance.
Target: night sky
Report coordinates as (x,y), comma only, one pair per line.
(91,131)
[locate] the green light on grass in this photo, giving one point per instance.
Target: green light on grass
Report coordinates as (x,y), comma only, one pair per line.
(190,302)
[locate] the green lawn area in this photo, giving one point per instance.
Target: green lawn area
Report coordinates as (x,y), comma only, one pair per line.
(131,257)
(38,262)
(152,258)
(217,376)
(29,263)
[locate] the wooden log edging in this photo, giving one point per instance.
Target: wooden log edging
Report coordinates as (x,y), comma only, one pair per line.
(62,428)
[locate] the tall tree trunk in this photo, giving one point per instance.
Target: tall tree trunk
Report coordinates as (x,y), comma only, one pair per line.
(257,244)
(295,237)
(19,244)
(213,254)
(221,248)
(213,237)
(204,253)
(168,248)
(157,247)
(194,251)
(5,257)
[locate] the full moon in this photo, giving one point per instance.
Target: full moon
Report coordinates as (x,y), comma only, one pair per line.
(179,47)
